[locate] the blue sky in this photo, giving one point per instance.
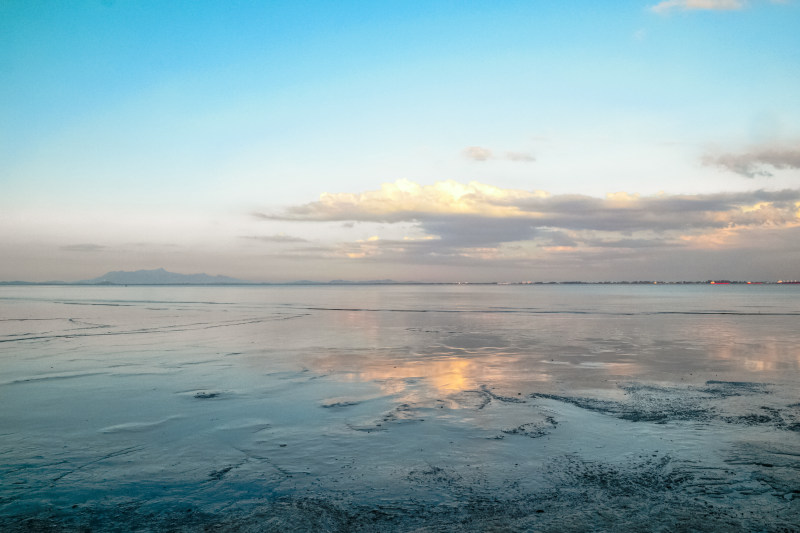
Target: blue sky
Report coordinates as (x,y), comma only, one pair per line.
(202,136)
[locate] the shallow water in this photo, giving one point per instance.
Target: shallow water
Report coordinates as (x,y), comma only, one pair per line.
(400,407)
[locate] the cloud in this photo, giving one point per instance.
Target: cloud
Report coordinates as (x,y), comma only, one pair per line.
(86,247)
(435,205)
(691,5)
(405,200)
(478,222)
(756,163)
(476,153)
(467,231)
(279,238)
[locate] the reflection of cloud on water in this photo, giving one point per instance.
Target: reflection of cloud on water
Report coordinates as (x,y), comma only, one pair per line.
(614,368)
(757,366)
(736,344)
(444,375)
(462,353)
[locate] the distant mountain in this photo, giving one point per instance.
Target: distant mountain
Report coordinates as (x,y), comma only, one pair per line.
(159,277)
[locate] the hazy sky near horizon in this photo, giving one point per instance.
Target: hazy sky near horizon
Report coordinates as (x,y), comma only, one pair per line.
(472,140)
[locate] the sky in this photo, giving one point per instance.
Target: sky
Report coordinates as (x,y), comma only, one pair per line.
(428,141)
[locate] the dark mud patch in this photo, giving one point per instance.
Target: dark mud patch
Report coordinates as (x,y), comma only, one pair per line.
(435,475)
(479,399)
(366,428)
(217,475)
(642,477)
(535,429)
(205,395)
(402,413)
(337,404)
(499,398)
(639,409)
(470,399)
(724,389)
(648,403)
(787,419)
(708,403)
(590,404)
(659,494)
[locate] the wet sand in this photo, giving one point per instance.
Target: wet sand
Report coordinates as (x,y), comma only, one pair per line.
(202,409)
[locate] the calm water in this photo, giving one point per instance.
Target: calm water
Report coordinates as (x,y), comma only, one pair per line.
(400,408)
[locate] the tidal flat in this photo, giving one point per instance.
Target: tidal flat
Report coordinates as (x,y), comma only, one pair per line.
(400,408)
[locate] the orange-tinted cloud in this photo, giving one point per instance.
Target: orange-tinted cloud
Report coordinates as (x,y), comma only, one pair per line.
(456,223)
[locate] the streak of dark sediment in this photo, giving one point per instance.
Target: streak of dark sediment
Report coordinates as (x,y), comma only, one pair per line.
(124,451)
(534,311)
(51,377)
(165,329)
(647,403)
(29,319)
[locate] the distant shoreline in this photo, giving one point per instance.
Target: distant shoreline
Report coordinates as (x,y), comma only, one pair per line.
(164,278)
(383,283)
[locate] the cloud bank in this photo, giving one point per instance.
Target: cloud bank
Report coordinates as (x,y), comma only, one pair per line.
(454,222)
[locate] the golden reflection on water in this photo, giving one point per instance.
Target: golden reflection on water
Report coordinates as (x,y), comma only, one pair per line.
(445,375)
(439,367)
(403,354)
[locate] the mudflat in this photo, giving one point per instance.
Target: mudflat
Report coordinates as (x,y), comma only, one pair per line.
(400,408)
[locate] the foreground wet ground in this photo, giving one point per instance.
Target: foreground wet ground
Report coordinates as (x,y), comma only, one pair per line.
(185,409)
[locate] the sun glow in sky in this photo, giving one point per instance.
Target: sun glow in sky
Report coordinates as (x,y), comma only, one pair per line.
(431,141)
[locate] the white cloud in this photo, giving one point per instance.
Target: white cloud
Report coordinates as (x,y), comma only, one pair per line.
(406,200)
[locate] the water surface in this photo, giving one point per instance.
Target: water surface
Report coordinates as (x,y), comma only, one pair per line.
(565,407)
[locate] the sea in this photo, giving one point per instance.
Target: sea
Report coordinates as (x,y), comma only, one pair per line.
(400,408)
